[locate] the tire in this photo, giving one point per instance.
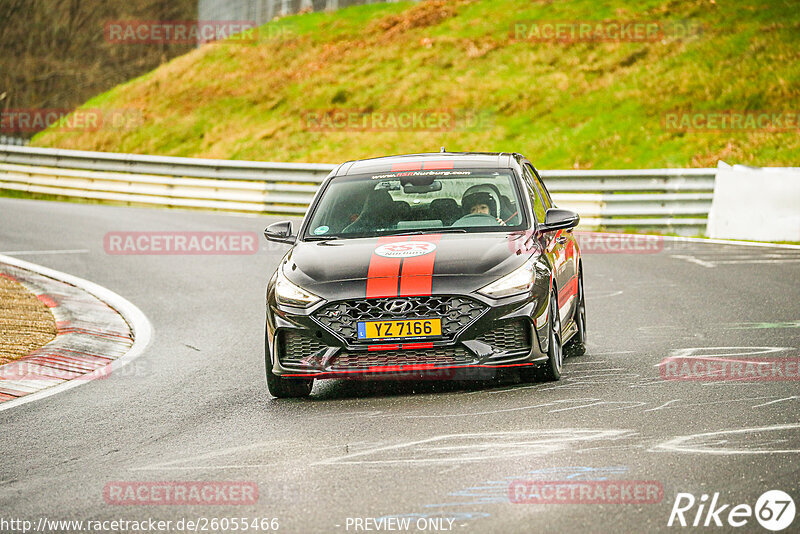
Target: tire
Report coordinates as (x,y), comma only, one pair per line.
(287,388)
(577,345)
(551,371)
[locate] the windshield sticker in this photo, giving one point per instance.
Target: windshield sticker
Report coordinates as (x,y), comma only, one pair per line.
(421,173)
(319,230)
(405,250)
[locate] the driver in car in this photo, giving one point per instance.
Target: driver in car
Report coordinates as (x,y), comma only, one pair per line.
(481,203)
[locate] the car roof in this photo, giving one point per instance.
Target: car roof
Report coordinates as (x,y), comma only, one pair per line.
(425,161)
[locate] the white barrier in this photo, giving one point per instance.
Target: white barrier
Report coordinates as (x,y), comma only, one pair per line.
(761,204)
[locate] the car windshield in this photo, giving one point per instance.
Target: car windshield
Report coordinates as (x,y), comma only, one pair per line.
(469,200)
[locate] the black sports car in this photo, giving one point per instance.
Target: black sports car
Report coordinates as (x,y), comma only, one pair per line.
(427,265)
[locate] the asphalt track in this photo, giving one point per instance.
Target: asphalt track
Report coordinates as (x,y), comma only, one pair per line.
(194,406)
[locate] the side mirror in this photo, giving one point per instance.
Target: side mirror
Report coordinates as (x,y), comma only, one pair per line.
(558,219)
(280,232)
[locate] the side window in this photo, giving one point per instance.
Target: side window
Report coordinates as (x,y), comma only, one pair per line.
(544,193)
(539,208)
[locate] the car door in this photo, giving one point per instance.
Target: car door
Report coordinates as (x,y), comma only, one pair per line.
(561,244)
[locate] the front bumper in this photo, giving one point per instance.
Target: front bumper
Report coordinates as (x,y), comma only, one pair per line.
(506,333)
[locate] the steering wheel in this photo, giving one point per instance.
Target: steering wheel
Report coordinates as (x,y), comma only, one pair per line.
(476,219)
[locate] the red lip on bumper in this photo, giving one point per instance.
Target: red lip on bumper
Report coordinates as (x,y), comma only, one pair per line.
(401,370)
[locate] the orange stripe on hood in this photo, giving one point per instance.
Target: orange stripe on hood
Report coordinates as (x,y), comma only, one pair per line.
(417,276)
(383,273)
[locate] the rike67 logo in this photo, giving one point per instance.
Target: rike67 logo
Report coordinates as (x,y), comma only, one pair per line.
(774,510)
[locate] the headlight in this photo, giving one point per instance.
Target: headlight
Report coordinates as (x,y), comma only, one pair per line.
(518,281)
(290,294)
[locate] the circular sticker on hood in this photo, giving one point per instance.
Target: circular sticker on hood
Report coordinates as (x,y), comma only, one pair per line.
(407,249)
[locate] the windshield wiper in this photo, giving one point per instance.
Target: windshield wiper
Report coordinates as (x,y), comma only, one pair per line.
(432,231)
(320,238)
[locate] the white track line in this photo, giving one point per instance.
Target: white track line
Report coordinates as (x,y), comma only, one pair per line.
(677,444)
(137,321)
(776,401)
(692,259)
(43,252)
(717,241)
(739,262)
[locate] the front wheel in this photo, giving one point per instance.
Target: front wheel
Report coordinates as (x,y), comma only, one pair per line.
(551,371)
(577,345)
(287,388)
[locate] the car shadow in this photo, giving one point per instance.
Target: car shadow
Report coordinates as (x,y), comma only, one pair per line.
(346,389)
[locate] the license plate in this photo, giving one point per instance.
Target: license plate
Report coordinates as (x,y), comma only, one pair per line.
(399,328)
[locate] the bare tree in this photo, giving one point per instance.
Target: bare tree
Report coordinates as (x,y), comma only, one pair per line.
(54,54)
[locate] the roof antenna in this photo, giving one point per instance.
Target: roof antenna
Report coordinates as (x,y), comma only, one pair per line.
(442,149)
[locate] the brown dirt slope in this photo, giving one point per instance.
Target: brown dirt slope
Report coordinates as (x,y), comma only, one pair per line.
(26,324)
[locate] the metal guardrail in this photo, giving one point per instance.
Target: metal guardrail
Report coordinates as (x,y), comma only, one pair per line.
(672,200)
(167,181)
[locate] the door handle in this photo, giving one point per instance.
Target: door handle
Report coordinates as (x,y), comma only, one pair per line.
(561,240)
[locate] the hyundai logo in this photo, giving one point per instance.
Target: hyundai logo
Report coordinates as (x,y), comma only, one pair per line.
(396,307)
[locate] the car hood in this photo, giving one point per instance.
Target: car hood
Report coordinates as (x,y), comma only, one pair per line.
(402,265)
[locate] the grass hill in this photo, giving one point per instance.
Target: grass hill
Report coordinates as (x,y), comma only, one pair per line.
(564,104)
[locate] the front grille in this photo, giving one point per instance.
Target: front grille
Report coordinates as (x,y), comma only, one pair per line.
(508,336)
(439,356)
(456,312)
(299,348)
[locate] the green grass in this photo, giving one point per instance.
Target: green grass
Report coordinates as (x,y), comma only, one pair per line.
(580,105)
